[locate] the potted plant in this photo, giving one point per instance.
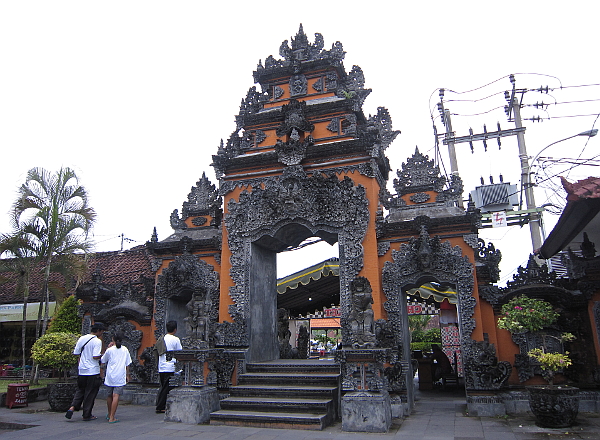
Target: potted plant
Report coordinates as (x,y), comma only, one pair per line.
(55,350)
(554,406)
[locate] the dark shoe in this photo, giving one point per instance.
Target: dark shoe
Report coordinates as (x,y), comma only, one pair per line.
(89,418)
(69,413)
(160,411)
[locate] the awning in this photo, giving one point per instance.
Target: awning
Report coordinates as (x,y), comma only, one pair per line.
(325,323)
(325,268)
(14,312)
(436,292)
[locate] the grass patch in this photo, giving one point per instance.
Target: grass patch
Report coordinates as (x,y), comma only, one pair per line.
(42,383)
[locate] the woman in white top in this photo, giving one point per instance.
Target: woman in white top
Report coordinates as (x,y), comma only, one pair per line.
(117,360)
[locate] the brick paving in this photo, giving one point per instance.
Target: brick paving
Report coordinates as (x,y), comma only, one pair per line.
(438,416)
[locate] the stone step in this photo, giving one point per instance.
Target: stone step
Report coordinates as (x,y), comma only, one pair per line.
(278,404)
(289,378)
(271,419)
(283,390)
(321,367)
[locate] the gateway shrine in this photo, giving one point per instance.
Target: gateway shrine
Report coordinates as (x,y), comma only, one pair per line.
(305,161)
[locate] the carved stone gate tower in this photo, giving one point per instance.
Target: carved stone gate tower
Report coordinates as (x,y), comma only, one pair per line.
(305,161)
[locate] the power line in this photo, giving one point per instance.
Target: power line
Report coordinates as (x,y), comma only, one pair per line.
(540,119)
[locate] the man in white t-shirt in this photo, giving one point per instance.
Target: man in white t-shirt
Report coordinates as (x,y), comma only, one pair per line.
(89,350)
(166,368)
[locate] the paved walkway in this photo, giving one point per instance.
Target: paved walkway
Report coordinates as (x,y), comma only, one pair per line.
(436,417)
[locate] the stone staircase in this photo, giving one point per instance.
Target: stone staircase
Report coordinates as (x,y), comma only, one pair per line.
(299,394)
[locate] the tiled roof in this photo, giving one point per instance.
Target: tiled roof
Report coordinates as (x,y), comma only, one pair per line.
(325,323)
(120,267)
(583,189)
(115,267)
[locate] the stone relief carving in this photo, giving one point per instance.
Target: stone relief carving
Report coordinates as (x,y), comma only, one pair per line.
(349,124)
(334,125)
(453,194)
(419,174)
(318,85)
(197,322)
(382,248)
(259,136)
(194,281)
(384,333)
(199,221)
(221,366)
(482,369)
(294,119)
(278,92)
(254,101)
(301,49)
(303,340)
(472,240)
(379,130)
(298,85)
(419,197)
(176,223)
(331,81)
(284,334)
(489,258)
(362,369)
(293,151)
(202,200)
(360,319)
(318,203)
(533,273)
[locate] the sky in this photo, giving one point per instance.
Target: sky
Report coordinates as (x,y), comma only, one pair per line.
(135,96)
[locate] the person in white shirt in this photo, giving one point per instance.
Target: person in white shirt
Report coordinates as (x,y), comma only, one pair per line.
(117,360)
(166,368)
(88,348)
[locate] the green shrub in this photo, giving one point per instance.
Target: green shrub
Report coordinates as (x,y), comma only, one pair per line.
(66,319)
(417,336)
(423,346)
(433,335)
(55,350)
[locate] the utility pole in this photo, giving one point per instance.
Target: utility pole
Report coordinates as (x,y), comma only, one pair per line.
(534,217)
(449,137)
(513,111)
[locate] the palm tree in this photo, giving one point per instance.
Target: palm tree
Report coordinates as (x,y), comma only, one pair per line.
(52,211)
(21,260)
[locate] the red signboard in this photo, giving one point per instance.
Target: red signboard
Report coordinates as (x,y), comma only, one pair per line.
(16,394)
(414,309)
(334,312)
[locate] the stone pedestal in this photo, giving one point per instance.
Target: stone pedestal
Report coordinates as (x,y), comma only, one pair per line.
(366,412)
(191,405)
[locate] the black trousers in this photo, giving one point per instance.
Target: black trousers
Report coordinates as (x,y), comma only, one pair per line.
(161,399)
(87,390)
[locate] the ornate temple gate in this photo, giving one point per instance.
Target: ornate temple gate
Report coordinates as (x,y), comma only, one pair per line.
(305,161)
(266,221)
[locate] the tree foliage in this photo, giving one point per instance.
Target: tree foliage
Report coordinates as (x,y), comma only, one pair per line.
(52,211)
(20,259)
(66,319)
